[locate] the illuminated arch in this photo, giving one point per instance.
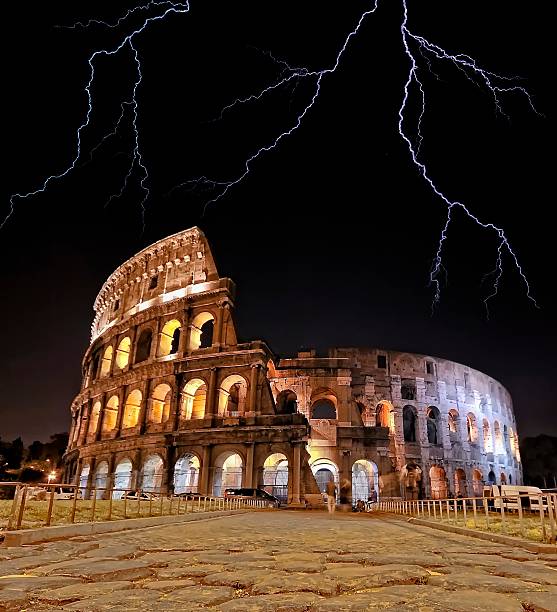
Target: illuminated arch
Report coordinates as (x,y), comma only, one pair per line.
(106,362)
(201,331)
(409,419)
(438,482)
(186,474)
(160,404)
(477,482)
(110,415)
(453,421)
(460,483)
(143,350)
(487,437)
(275,476)
(194,396)
(324,404)
(123,353)
(170,338)
(472,428)
(152,474)
(325,470)
(228,472)
(383,415)
(499,447)
(122,477)
(131,409)
(94,418)
(287,402)
(101,479)
(433,425)
(365,481)
(232,395)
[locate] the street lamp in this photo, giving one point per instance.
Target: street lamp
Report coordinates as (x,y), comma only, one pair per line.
(51,476)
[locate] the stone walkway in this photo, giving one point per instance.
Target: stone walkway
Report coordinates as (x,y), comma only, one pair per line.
(278,560)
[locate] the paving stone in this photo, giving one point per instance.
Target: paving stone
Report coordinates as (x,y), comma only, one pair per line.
(285,582)
(201,595)
(472,601)
(12,600)
(99,570)
(185,571)
(168,585)
(116,551)
(129,599)
(539,602)
(526,572)
(359,601)
(480,581)
(82,591)
(285,602)
(354,577)
(35,583)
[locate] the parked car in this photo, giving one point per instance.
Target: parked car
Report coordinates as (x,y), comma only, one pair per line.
(508,495)
(67,493)
(249,493)
(188,495)
(139,495)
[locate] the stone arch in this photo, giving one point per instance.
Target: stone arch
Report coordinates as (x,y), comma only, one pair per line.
(287,402)
(101,479)
(84,478)
(152,473)
(409,419)
(324,470)
(194,396)
(499,448)
(324,404)
(438,482)
(383,412)
(232,395)
(228,472)
(472,428)
(460,483)
(512,442)
(477,482)
(491,478)
(365,481)
(186,474)
(132,408)
(106,361)
(110,415)
(487,437)
(433,425)
(275,476)
(169,342)
(503,478)
(123,353)
(122,477)
(201,331)
(94,418)
(143,350)
(411,480)
(161,397)
(453,422)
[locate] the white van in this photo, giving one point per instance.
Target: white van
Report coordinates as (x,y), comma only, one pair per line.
(509,496)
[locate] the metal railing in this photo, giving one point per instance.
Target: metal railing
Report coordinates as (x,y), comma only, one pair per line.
(27,506)
(530,516)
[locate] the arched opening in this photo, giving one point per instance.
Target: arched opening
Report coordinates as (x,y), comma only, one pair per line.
(491,478)
(323,409)
(94,418)
(123,353)
(228,473)
(106,361)
(201,331)
(510,478)
(411,481)
(144,346)
(170,338)
(110,415)
(453,424)
(84,478)
(503,478)
(152,473)
(488,441)
(194,396)
(438,482)
(325,470)
(122,478)
(131,409)
(512,441)
(186,474)
(365,481)
(498,438)
(433,418)
(160,404)
(460,484)
(275,476)
(409,423)
(232,396)
(382,415)
(477,483)
(287,402)
(472,428)
(101,479)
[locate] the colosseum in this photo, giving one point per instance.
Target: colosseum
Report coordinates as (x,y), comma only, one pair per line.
(171,402)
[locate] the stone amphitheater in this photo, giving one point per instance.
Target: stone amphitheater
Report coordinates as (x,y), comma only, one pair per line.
(171,402)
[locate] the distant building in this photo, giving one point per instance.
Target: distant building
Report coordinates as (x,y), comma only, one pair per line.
(171,401)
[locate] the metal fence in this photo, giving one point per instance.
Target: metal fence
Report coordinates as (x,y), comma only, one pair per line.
(530,516)
(24,506)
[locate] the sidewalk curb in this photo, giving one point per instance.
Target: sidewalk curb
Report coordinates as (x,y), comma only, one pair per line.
(57,532)
(484,535)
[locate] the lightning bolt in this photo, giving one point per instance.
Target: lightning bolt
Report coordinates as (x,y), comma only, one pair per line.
(495,84)
(416,48)
(126,42)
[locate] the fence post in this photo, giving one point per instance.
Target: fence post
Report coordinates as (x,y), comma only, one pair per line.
(503,522)
(94,504)
(464,504)
(21,508)
(74,502)
(486,512)
(542,516)
(110,496)
(50,504)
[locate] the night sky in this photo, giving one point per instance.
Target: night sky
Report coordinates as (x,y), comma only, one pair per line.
(331,238)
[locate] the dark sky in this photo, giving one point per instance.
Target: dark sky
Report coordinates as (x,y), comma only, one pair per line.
(331,237)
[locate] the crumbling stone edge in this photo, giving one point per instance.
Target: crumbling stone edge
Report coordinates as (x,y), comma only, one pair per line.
(484,535)
(57,532)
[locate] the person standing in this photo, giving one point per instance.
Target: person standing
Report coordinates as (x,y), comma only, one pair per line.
(331,496)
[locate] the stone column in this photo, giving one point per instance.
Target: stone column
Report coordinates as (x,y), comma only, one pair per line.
(296,475)
(98,431)
(217,332)
(210,408)
(254,380)
(205,470)
(248,472)
(168,476)
(156,340)
(145,409)
(92,464)
(121,406)
(85,424)
(175,405)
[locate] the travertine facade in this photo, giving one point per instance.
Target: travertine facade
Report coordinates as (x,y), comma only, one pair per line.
(171,401)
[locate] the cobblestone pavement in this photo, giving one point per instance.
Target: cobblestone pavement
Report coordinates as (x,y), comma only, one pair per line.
(278,560)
